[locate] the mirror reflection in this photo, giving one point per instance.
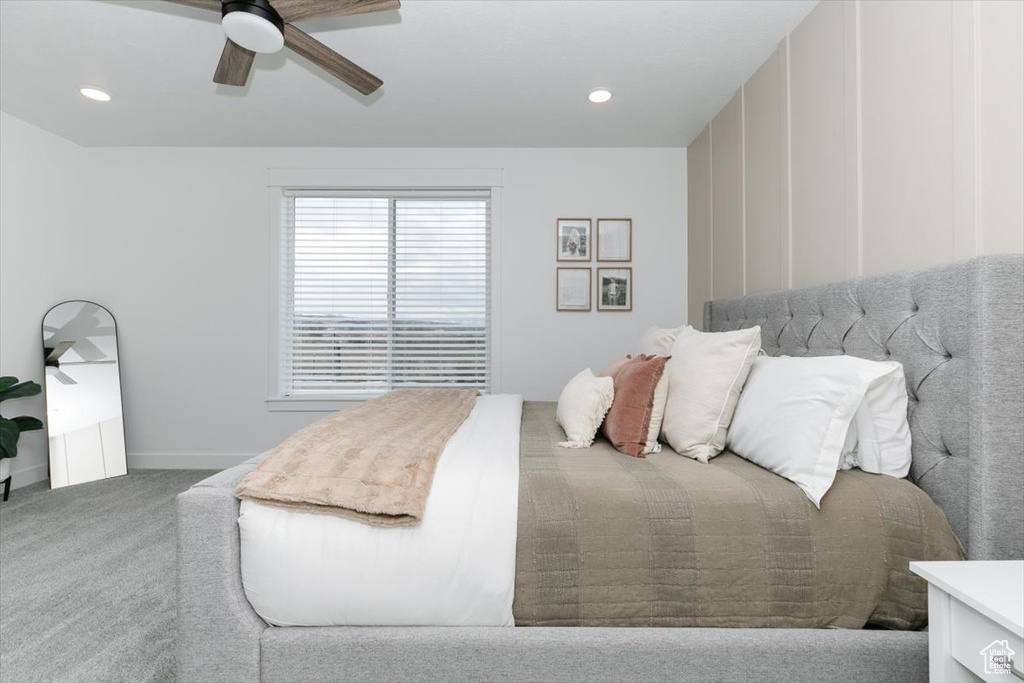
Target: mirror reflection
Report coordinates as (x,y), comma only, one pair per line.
(83,394)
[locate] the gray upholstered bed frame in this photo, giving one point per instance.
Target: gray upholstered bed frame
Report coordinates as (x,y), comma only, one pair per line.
(958,329)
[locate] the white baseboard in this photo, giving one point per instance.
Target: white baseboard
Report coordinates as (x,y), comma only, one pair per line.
(145,461)
(185,461)
(29,475)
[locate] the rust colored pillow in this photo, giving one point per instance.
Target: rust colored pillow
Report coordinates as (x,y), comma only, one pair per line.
(628,420)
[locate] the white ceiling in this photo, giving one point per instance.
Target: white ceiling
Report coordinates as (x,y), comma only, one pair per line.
(462,73)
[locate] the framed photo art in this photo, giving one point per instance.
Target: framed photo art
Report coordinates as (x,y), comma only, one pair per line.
(614,239)
(615,289)
(573,285)
(573,239)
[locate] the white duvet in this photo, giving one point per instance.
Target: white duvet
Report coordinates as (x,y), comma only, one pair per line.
(455,568)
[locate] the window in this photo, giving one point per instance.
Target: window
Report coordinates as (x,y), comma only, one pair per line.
(383,290)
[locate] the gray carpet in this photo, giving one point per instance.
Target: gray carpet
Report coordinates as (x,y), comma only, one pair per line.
(87,579)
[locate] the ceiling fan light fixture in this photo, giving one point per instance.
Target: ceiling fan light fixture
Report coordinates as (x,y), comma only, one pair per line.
(253,24)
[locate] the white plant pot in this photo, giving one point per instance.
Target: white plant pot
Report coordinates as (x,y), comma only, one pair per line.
(5,468)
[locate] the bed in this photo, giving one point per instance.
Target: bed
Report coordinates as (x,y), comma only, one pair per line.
(957,329)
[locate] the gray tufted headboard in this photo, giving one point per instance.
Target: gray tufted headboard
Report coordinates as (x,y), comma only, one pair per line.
(958,330)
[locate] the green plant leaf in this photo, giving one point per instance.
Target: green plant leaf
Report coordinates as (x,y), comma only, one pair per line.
(7,382)
(9,434)
(27,423)
(22,390)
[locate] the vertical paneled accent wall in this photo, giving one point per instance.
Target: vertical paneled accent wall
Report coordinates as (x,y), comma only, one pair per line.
(817,110)
(765,173)
(878,136)
(727,200)
(698,222)
(1000,136)
(906,126)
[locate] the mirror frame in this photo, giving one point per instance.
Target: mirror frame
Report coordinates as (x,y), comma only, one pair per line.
(46,393)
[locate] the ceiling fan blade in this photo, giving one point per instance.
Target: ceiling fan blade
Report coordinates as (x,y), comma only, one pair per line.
(234,65)
(297,10)
(88,351)
(58,351)
(63,378)
(201,4)
(330,61)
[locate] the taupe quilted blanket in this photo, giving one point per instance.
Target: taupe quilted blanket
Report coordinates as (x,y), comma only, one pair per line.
(373,463)
(608,540)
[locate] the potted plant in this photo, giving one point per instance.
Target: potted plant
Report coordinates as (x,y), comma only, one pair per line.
(11,428)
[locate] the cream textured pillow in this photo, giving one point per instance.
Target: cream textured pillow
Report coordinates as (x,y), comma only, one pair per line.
(657,341)
(582,407)
(705,377)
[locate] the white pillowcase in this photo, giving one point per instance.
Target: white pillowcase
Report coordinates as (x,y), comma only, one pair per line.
(848,460)
(657,341)
(657,415)
(795,413)
(705,376)
(582,406)
(879,437)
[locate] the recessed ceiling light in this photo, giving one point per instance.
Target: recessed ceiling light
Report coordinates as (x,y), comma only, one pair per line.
(95,94)
(598,95)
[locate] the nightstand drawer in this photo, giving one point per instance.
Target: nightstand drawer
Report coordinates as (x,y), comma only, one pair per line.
(972,633)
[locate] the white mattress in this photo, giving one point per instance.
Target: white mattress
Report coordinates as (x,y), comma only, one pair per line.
(456,568)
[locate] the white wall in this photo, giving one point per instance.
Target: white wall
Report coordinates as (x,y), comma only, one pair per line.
(878,136)
(175,242)
(39,193)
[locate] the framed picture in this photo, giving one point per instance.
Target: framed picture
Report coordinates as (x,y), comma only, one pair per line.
(573,286)
(614,239)
(573,239)
(615,289)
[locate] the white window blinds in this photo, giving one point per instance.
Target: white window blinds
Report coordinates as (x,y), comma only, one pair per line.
(384,290)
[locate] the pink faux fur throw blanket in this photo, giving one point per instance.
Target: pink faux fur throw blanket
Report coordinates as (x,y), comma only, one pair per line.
(373,463)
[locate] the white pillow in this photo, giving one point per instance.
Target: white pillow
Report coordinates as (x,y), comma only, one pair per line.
(582,407)
(879,437)
(705,376)
(657,415)
(848,460)
(657,341)
(794,415)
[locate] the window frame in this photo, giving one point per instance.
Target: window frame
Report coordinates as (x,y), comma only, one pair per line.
(368,180)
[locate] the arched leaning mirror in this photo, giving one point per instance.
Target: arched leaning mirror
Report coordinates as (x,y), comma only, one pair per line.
(83,394)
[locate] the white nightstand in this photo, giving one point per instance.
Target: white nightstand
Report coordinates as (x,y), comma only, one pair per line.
(975,620)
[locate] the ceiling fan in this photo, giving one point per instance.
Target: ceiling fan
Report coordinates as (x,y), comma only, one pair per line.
(255,26)
(52,361)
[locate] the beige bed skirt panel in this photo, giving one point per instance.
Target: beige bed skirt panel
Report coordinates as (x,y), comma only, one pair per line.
(608,540)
